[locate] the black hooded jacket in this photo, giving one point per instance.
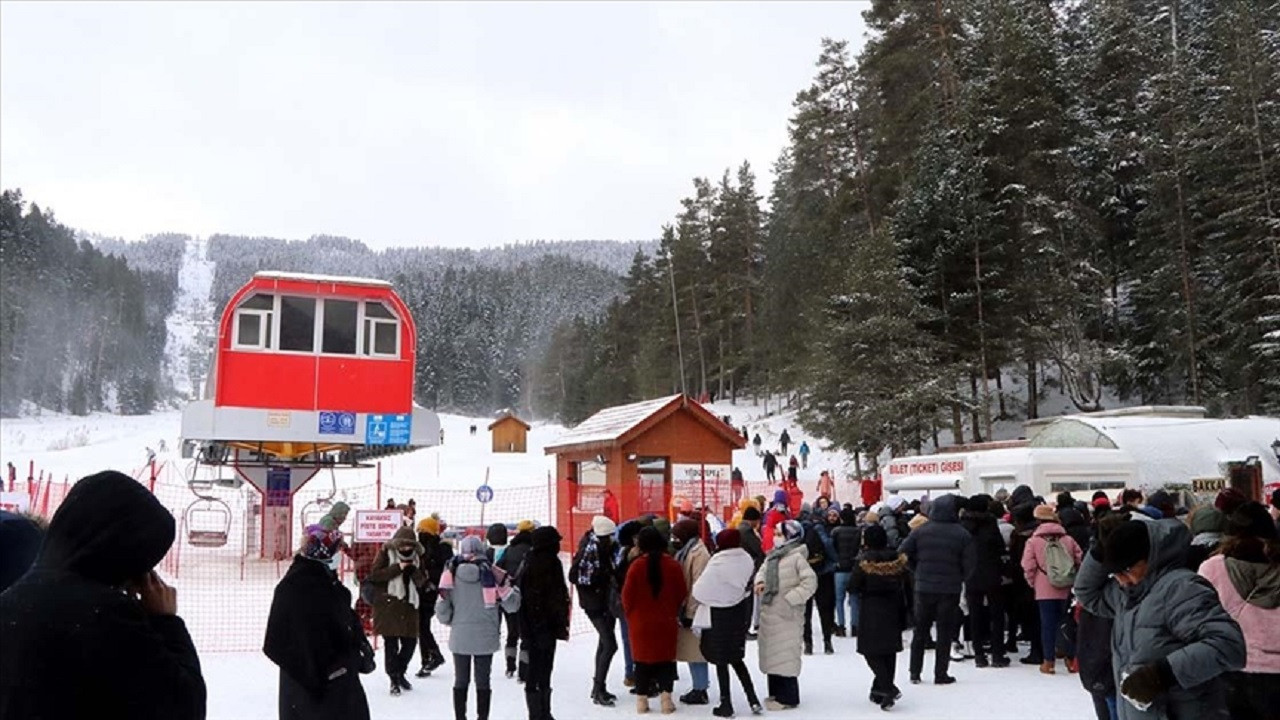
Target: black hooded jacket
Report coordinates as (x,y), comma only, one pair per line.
(516,551)
(940,552)
(989,551)
(73,642)
(544,595)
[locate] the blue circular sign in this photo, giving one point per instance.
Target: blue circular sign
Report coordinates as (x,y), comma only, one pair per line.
(484,494)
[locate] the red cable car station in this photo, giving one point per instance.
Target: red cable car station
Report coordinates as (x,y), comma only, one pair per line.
(310,372)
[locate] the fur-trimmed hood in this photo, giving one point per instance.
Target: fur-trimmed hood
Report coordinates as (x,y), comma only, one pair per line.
(883,562)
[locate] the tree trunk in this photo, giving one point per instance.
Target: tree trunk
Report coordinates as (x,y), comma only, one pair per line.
(975,414)
(1184,250)
(1033,390)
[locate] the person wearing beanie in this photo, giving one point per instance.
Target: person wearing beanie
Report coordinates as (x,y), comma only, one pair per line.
(1049,561)
(846,537)
(880,580)
(592,574)
(473,597)
(1177,640)
(724,614)
(1163,502)
(1208,524)
(1023,613)
(663,526)
(893,520)
(941,555)
(871,518)
(91,630)
(436,555)
(496,536)
(1246,575)
(778,513)
(543,616)
(310,607)
(982,585)
(693,556)
(652,596)
(336,516)
(784,583)
(400,589)
(1064,501)
(1228,500)
(510,560)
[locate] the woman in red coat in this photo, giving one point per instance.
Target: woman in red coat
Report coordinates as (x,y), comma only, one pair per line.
(652,595)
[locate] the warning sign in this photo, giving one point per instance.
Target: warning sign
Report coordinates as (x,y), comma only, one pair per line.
(377,525)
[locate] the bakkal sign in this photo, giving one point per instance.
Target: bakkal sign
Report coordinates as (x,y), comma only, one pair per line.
(949,466)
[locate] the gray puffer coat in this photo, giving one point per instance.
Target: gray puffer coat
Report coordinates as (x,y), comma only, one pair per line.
(1172,614)
(473,626)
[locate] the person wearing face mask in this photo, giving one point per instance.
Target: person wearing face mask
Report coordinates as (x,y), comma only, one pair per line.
(401,581)
(1171,641)
(92,630)
(785,582)
(314,636)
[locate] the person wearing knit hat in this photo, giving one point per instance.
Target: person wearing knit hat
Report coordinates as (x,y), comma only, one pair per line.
(496,537)
(525,526)
(401,584)
(1178,639)
(311,617)
(1207,526)
(1228,500)
(724,614)
(871,517)
(437,554)
(543,615)
(592,573)
(693,556)
(336,516)
(1246,574)
(881,578)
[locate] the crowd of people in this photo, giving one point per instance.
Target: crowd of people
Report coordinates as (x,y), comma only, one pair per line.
(1160,611)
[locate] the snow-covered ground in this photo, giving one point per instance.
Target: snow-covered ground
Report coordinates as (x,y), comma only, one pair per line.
(189,327)
(242,685)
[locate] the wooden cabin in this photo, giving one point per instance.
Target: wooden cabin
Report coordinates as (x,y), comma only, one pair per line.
(510,434)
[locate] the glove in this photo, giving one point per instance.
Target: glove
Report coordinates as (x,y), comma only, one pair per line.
(1148,682)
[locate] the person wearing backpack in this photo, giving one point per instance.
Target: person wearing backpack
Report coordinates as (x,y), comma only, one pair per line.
(1049,564)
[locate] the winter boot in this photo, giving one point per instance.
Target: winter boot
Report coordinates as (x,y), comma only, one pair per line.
(826,647)
(668,705)
(546,704)
(808,647)
(1046,667)
(695,697)
(980,660)
(887,703)
(642,703)
(395,687)
(601,696)
(423,672)
(840,631)
(483,699)
(460,703)
(403,683)
(511,662)
(723,710)
(1000,661)
(943,680)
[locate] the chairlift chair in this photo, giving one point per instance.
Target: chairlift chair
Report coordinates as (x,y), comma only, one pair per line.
(207,518)
(317,508)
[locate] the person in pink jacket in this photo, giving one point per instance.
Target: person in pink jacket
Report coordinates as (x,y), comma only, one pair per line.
(1246,573)
(1051,598)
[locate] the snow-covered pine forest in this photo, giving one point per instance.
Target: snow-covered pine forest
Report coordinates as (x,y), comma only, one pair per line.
(991,202)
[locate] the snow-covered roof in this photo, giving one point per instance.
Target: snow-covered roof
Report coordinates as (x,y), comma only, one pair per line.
(1175,450)
(309,277)
(612,423)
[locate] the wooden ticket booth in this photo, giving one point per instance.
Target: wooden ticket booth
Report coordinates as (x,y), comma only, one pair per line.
(640,456)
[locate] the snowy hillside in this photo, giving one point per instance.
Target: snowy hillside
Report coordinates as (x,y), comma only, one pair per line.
(192,325)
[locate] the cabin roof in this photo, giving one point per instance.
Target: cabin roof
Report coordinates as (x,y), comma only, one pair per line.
(310,277)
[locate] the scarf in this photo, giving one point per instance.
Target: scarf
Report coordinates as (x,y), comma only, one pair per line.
(685,549)
(493,580)
(771,568)
(397,587)
(589,563)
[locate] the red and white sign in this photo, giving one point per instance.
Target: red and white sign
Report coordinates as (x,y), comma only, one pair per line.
(925,466)
(377,525)
(14,502)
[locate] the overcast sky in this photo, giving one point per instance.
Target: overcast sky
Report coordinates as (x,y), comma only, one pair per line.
(396,123)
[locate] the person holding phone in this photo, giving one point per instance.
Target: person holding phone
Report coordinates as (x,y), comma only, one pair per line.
(92,630)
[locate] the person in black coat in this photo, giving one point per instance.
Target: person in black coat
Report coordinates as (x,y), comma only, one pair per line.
(982,587)
(510,561)
(544,616)
(92,631)
(315,637)
(880,581)
(438,554)
(941,555)
(1024,614)
(1073,521)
